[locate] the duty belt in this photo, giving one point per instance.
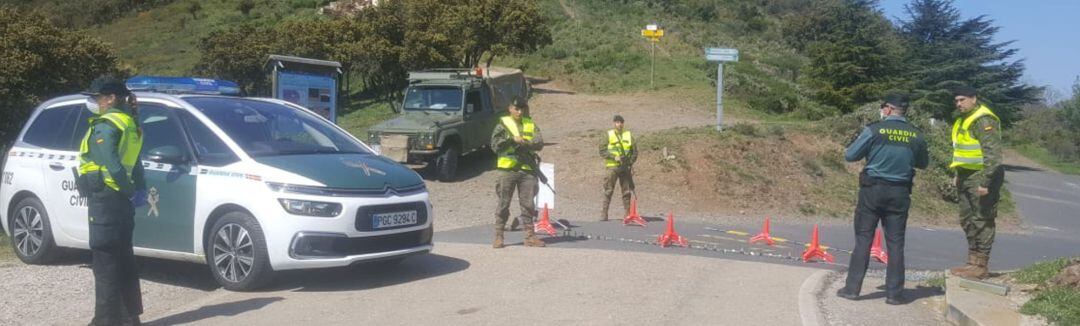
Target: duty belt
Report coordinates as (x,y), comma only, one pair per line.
(866,180)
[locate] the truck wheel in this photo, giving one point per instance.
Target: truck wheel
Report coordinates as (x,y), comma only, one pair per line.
(446,163)
(236,253)
(31,236)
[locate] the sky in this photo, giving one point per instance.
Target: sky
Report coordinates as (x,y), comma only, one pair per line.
(1045,32)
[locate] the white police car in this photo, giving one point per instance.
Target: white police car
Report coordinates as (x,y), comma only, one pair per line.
(248,186)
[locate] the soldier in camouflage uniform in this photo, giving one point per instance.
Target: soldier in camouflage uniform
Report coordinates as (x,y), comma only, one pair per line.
(514,137)
(977,156)
(619,155)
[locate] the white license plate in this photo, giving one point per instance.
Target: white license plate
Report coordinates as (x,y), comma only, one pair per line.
(386,220)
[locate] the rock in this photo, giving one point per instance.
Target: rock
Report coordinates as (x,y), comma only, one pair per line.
(1068,277)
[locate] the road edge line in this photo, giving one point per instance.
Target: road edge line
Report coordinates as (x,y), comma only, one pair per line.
(810,311)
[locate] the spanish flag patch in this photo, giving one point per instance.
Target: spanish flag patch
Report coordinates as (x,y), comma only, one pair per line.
(100,140)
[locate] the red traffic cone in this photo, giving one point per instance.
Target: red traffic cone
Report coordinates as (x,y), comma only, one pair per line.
(814,250)
(633,217)
(544,225)
(875,249)
(764,235)
(670,236)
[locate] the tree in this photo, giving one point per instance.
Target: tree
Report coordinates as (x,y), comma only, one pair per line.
(237,54)
(41,61)
(945,51)
(853,52)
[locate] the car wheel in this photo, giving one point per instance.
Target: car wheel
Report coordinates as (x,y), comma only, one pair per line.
(236,253)
(31,236)
(446,164)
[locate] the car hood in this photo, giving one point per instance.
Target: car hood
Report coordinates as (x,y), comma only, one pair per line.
(415,122)
(347,171)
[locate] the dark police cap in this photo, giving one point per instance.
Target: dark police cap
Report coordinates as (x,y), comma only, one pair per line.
(966,91)
(521,103)
(107,85)
(897,100)
(618,118)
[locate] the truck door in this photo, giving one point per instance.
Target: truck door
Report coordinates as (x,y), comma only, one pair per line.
(479,118)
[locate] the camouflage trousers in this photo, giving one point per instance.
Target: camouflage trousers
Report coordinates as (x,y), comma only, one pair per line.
(526,185)
(977,213)
(626,183)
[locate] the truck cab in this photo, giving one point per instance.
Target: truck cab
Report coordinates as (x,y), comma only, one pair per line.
(446,114)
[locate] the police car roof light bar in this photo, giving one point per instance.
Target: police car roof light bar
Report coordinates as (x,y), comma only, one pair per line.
(183,85)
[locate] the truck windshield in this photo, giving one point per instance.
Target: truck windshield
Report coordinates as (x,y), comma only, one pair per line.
(268,129)
(433,98)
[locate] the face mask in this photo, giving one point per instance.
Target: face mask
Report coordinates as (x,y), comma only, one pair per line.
(882,113)
(92,105)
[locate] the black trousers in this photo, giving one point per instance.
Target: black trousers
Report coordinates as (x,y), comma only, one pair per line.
(116,277)
(888,204)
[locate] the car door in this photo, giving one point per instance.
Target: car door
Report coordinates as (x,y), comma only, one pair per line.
(478,119)
(167,221)
(54,131)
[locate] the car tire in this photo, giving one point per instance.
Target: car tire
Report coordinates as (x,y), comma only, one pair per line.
(236,253)
(446,163)
(31,234)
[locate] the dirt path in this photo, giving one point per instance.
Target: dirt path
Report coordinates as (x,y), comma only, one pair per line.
(572,125)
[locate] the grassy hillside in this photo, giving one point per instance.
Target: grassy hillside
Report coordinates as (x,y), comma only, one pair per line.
(162,41)
(597,48)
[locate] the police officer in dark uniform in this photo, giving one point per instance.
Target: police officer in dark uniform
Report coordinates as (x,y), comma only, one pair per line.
(111,176)
(893,148)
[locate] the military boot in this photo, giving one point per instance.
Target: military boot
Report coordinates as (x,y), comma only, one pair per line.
(530,237)
(966,269)
(981,270)
(498,243)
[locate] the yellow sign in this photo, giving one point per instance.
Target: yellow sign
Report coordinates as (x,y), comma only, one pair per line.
(652,34)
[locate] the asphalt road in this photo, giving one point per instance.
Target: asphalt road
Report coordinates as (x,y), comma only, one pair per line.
(1048,201)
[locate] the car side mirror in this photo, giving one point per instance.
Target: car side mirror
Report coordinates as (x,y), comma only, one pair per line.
(166,154)
(469,108)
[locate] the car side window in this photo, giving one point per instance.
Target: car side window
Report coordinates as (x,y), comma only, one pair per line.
(160,128)
(54,128)
(209,149)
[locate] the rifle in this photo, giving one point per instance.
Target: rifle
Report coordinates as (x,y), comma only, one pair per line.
(526,157)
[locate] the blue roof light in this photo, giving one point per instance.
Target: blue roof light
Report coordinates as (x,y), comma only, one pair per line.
(183,85)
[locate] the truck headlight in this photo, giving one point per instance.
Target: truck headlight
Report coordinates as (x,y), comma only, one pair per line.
(426,141)
(373,137)
(310,208)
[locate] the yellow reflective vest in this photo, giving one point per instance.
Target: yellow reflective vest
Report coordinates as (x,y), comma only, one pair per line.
(967,152)
(615,142)
(130,145)
(507,159)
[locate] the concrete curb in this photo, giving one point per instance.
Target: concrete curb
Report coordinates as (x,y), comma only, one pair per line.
(810,310)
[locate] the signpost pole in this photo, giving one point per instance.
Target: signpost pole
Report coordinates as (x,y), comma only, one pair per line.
(719,96)
(652,68)
(720,55)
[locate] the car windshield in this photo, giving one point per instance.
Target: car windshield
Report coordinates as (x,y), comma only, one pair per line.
(444,98)
(267,129)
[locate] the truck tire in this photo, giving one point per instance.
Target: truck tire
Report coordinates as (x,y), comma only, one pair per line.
(236,253)
(446,163)
(31,234)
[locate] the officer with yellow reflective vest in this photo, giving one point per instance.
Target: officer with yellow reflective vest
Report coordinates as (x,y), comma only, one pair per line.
(515,137)
(617,149)
(977,156)
(111,176)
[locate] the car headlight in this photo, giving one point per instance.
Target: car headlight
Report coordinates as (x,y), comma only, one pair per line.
(310,208)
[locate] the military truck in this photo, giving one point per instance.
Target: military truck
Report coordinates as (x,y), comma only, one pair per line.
(445,114)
